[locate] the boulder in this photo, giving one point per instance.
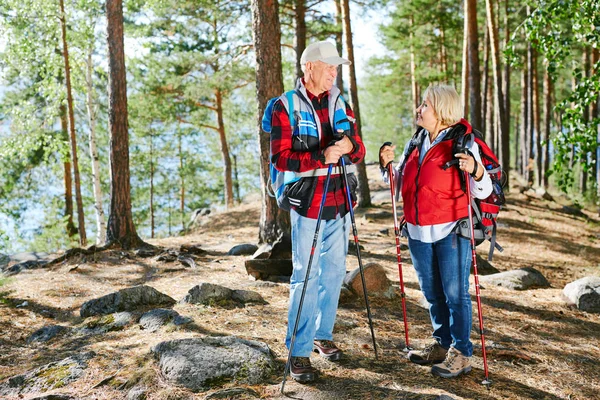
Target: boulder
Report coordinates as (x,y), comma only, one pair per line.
(518,279)
(378,284)
(584,293)
(108,323)
(246,249)
(207,293)
(128,299)
(202,363)
(46,333)
(137,393)
(154,319)
(47,377)
(247,296)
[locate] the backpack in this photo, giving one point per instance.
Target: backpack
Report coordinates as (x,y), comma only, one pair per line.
(279,179)
(485,211)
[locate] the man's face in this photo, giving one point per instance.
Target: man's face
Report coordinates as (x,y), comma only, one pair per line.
(323,76)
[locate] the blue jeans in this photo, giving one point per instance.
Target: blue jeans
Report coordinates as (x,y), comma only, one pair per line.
(443,269)
(324,283)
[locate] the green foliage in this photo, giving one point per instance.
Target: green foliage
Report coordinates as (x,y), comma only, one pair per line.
(561,30)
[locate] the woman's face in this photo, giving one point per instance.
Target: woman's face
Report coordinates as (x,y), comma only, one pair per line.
(426,116)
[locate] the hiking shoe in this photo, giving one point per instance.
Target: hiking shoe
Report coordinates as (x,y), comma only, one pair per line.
(327,349)
(454,365)
(302,371)
(432,354)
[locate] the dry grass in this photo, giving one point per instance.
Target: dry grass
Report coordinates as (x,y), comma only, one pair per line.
(538,348)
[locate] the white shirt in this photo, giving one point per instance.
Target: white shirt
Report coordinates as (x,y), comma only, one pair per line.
(480,190)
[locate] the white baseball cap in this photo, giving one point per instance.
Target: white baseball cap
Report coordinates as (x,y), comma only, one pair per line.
(322,51)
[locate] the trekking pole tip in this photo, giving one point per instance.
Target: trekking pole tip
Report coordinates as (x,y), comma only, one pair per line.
(487,383)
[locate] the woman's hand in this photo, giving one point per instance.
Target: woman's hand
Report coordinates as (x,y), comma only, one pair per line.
(468,163)
(386,155)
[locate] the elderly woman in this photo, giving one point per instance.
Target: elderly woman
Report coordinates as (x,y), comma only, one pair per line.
(434,201)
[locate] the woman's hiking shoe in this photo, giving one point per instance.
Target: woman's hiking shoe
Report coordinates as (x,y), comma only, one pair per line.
(432,354)
(327,349)
(302,371)
(454,365)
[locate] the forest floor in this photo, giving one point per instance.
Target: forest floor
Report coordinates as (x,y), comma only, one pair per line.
(538,347)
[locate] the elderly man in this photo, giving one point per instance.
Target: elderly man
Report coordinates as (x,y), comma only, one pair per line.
(323,131)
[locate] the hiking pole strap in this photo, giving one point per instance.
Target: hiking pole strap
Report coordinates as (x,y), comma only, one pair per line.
(323,171)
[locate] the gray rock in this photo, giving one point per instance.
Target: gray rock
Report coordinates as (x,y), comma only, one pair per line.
(247,296)
(378,284)
(108,323)
(245,249)
(518,279)
(207,293)
(127,299)
(137,393)
(50,376)
(154,319)
(55,397)
(25,265)
(145,252)
(46,333)
(201,363)
(584,293)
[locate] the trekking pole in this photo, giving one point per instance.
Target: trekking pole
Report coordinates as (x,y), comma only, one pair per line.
(487,382)
(360,266)
(312,253)
(397,232)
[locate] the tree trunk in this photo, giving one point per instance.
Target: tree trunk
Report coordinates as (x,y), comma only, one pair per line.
(121,229)
(91,110)
(339,43)
(548,90)
(71,229)
(505,139)
(465,60)
(74,159)
(595,113)
(485,78)
(517,143)
(236,182)
(501,117)
(490,122)
(152,188)
(536,123)
(364,194)
(300,36)
(524,118)
(266,36)
(181,180)
(224,150)
(474,72)
(529,122)
(585,63)
(413,68)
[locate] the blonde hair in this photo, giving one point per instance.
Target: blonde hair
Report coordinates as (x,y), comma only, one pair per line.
(446,103)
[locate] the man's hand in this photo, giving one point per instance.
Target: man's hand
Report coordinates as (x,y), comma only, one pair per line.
(345,144)
(333,153)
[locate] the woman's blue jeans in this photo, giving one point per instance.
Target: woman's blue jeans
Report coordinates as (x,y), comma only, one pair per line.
(443,270)
(324,284)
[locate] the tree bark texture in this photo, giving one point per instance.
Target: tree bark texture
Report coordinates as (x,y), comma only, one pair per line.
(529,123)
(505,139)
(413,68)
(536,123)
(72,136)
(548,93)
(227,179)
(91,110)
(152,188)
(300,36)
(121,229)
(485,80)
(71,229)
(474,72)
(465,61)
(339,43)
(501,118)
(585,63)
(364,194)
(524,117)
(266,35)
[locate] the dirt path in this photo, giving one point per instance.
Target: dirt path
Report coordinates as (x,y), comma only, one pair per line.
(538,348)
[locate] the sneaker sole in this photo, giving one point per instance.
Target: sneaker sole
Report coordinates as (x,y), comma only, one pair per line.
(426,362)
(331,357)
(304,378)
(442,374)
